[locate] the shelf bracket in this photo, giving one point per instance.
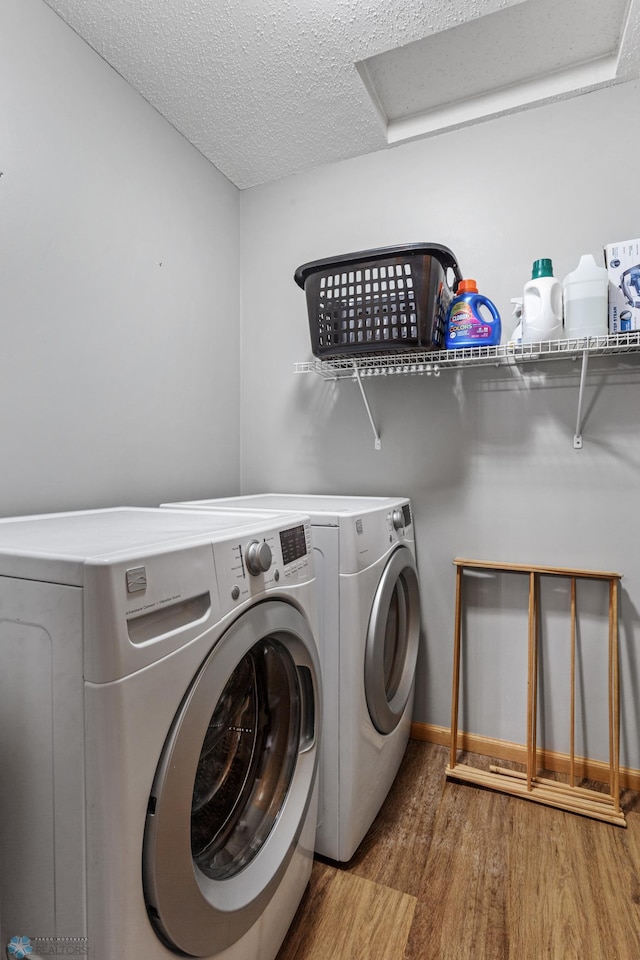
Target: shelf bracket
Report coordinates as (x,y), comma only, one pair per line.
(376,436)
(577,439)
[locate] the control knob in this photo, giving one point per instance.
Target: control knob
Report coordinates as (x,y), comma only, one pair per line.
(258,557)
(397,518)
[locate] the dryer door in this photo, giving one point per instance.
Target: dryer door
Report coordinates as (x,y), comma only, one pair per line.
(234,783)
(392,641)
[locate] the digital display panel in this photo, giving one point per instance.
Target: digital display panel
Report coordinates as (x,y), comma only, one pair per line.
(294,544)
(406,511)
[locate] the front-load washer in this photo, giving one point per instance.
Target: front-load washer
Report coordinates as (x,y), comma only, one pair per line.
(160,704)
(369,626)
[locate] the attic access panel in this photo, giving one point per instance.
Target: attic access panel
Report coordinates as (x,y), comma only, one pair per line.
(530,53)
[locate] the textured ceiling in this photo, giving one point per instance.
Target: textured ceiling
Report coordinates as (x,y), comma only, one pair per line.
(268,88)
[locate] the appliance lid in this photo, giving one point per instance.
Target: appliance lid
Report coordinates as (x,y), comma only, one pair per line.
(55,547)
(323,510)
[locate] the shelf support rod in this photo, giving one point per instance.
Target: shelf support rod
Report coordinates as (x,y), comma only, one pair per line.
(376,436)
(577,439)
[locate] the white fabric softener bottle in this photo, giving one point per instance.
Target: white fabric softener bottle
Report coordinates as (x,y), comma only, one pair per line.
(542,304)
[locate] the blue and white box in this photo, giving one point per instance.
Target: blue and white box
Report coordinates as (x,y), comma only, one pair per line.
(623,269)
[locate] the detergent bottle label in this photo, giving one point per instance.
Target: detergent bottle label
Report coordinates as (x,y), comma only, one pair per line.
(472,320)
(464,324)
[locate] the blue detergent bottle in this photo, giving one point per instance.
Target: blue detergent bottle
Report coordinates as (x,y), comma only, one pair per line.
(466,325)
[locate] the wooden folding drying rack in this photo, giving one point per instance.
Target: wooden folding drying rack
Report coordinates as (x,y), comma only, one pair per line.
(553,793)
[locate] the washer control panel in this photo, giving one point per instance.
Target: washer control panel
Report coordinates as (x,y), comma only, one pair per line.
(248,565)
(258,557)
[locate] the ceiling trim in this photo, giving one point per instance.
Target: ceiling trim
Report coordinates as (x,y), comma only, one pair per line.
(629,53)
(619,67)
(556,86)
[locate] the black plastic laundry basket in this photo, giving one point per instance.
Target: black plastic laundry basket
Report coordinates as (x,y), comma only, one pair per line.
(390,299)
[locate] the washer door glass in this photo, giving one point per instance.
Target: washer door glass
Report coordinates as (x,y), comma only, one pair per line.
(234,787)
(247,760)
(392,641)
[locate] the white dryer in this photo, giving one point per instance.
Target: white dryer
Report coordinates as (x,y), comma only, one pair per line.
(369,617)
(160,707)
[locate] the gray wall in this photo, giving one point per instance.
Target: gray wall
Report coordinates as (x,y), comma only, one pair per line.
(119,287)
(124,378)
(486,455)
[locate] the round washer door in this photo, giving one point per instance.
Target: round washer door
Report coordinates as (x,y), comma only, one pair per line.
(234,782)
(392,641)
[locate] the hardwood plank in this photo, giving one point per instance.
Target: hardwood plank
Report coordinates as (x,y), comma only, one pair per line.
(544,901)
(500,880)
(461,910)
(612,859)
(396,846)
(345,917)
(571,888)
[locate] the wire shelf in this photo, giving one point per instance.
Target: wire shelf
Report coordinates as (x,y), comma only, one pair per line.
(432,363)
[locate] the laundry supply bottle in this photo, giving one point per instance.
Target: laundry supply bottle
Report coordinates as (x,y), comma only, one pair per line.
(542,304)
(516,336)
(472,320)
(586,300)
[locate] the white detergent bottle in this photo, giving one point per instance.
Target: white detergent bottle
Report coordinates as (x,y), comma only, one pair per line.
(586,294)
(542,305)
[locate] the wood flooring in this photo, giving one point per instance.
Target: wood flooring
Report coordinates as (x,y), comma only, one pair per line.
(451,871)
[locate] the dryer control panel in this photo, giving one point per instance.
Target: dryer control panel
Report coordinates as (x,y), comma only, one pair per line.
(366,537)
(399,521)
(266,560)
